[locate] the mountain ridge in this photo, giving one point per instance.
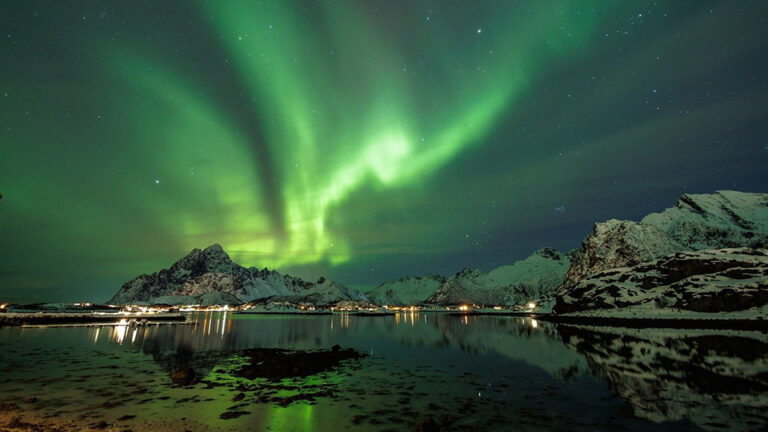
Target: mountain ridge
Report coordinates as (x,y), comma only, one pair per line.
(697,222)
(205,276)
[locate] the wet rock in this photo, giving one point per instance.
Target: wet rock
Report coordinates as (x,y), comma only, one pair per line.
(110,404)
(183,377)
(276,363)
(227,415)
(428,425)
(307,397)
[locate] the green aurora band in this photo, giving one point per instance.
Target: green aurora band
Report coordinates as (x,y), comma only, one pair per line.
(336,120)
(360,141)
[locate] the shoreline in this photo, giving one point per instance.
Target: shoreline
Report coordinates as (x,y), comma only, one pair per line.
(66,319)
(672,323)
(43,319)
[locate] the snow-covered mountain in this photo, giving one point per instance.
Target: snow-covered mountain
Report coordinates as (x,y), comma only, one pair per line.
(583,280)
(720,220)
(706,247)
(532,279)
(729,282)
(406,291)
(209,277)
(702,221)
(322,293)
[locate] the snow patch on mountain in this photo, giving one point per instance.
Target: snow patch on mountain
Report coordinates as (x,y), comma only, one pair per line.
(406,291)
(719,220)
(728,283)
(533,279)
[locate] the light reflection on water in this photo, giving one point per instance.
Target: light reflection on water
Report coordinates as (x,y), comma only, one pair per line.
(702,378)
(220,324)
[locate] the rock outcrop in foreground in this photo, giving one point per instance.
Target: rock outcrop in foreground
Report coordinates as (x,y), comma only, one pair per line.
(705,255)
(209,277)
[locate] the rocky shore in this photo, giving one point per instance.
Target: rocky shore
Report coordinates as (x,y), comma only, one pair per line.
(44,319)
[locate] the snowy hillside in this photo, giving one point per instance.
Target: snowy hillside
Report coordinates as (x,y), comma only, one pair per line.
(718,220)
(406,291)
(703,221)
(527,280)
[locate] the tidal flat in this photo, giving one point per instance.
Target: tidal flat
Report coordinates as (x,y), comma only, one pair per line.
(410,371)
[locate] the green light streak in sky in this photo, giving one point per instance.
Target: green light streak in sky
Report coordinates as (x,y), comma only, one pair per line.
(337,113)
(360,141)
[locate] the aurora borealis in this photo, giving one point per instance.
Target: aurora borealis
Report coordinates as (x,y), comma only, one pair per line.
(363,140)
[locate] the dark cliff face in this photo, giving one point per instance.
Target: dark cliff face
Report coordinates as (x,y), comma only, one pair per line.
(704,222)
(617,243)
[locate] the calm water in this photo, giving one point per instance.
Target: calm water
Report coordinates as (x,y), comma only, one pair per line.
(465,373)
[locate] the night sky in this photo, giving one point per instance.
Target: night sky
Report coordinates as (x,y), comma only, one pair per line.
(363,140)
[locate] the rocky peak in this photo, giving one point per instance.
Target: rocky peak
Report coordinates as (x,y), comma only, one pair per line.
(619,243)
(433,276)
(263,273)
(209,275)
(467,272)
(209,260)
(215,249)
(549,253)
